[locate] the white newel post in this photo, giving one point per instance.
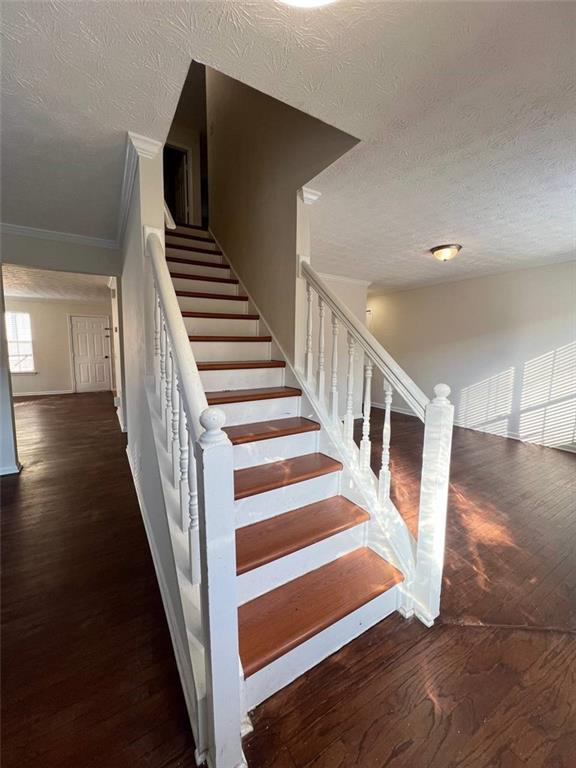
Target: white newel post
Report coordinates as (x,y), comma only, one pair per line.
(218,591)
(365,445)
(192,518)
(384,476)
(183,461)
(174,444)
(433,505)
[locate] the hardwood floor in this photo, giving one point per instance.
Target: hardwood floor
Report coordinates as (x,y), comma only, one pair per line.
(493,684)
(88,674)
(89,678)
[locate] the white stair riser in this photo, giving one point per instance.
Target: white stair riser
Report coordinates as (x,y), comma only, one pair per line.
(288,667)
(196,243)
(242,378)
(204,286)
(213,258)
(272,503)
(222,326)
(278,572)
(211,351)
(260,410)
(196,269)
(266,451)
(188,230)
(196,304)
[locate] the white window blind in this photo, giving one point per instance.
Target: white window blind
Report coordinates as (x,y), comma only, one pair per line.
(19,335)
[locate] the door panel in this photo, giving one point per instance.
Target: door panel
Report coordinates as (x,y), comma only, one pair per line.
(91,351)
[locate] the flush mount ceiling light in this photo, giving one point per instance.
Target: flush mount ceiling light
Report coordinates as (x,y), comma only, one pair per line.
(307,3)
(446,252)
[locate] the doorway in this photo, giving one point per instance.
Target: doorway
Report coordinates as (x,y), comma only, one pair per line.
(176,182)
(91,353)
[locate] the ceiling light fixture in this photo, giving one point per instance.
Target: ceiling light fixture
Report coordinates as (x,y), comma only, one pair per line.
(307,3)
(446,252)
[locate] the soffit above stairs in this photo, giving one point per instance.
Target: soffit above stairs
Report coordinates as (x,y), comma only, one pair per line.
(465,112)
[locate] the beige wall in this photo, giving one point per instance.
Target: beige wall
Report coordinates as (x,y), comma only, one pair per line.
(260,152)
(55,254)
(506,344)
(51,342)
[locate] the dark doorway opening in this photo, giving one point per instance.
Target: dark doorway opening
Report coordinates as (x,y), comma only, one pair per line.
(176,182)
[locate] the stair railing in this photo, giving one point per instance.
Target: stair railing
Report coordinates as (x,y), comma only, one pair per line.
(424,579)
(202,467)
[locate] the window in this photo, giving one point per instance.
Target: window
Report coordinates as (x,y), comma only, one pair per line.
(19,335)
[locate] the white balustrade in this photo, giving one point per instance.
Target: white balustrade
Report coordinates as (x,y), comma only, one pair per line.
(201,460)
(309,352)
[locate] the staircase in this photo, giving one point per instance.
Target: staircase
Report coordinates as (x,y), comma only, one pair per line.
(294,546)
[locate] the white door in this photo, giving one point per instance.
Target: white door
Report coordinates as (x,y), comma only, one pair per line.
(91,350)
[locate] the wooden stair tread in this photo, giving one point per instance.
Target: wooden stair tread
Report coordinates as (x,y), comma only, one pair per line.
(193,249)
(284,534)
(278,621)
(204,278)
(233,365)
(220,315)
(230,338)
(246,395)
(196,262)
(266,430)
(187,226)
(190,236)
(279,474)
(199,295)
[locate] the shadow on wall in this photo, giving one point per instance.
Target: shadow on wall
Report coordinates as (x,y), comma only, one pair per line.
(536,404)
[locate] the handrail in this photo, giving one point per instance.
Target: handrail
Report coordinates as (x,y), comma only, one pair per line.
(393,372)
(168,219)
(189,378)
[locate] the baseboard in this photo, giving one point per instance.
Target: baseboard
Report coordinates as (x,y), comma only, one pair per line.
(10,469)
(45,393)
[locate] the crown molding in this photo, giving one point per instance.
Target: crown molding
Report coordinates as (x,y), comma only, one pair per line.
(60,237)
(343,279)
(310,196)
(137,147)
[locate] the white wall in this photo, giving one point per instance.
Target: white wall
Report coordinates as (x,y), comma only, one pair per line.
(505,344)
(60,255)
(51,342)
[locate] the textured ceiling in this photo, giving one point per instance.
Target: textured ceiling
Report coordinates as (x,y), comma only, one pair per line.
(465,111)
(24,283)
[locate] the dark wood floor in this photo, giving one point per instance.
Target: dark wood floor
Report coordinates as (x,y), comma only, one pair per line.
(88,675)
(88,672)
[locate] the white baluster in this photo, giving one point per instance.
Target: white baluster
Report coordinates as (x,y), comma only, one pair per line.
(334,380)
(174,442)
(183,460)
(349,416)
(384,476)
(193,533)
(162,391)
(365,445)
(168,397)
(321,355)
(309,353)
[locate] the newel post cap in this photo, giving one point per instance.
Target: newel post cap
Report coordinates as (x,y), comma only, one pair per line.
(442,392)
(212,419)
